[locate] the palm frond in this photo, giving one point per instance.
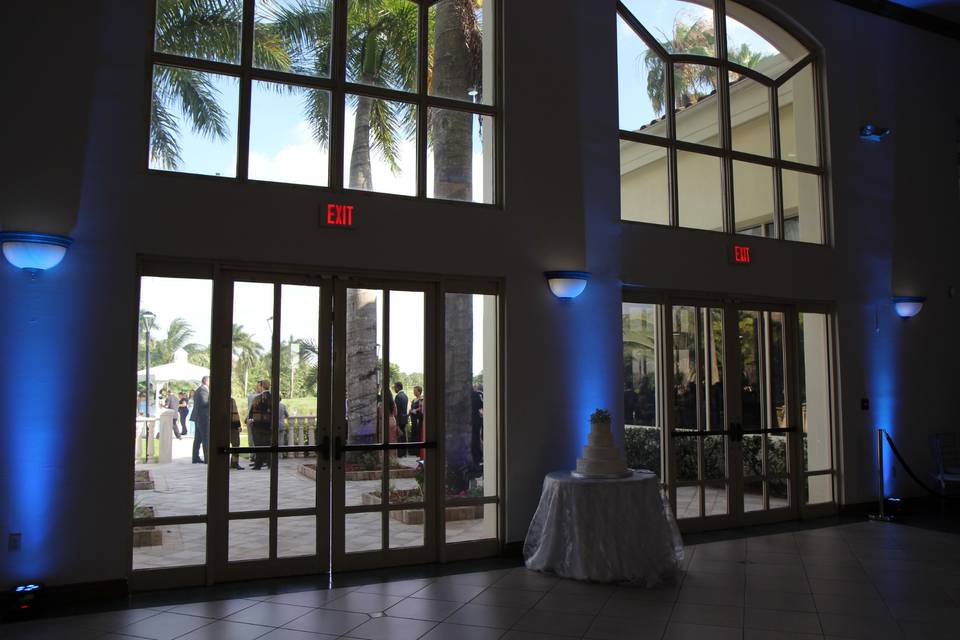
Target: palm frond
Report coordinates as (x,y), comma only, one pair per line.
(199,100)
(164,147)
(383,127)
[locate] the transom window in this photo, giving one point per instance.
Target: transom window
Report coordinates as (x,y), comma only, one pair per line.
(392,96)
(719,121)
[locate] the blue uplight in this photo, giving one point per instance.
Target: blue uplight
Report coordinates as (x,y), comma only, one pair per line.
(34,251)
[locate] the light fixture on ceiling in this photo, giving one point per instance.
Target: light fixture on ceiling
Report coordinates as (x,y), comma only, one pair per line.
(908,306)
(873,133)
(567,284)
(34,252)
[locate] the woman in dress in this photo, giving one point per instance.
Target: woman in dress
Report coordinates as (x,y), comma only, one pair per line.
(184,411)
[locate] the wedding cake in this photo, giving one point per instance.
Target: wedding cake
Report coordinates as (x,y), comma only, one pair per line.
(601,459)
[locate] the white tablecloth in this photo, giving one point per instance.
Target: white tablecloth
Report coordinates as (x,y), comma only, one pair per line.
(604,530)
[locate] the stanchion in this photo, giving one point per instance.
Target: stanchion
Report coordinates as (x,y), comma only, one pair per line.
(881,516)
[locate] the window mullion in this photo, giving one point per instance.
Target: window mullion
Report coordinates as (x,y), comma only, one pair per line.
(243,113)
(338,73)
(778,221)
(422,36)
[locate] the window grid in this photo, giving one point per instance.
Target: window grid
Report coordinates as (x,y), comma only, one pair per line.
(725,151)
(339,88)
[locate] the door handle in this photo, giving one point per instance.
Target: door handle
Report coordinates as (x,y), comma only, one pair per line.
(325,448)
(338,449)
(736,432)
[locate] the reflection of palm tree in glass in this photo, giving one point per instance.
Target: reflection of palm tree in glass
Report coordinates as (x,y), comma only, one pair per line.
(246,352)
(691,81)
(207,30)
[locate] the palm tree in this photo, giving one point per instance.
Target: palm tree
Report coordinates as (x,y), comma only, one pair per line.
(691,81)
(178,337)
(381,50)
(246,352)
(208,30)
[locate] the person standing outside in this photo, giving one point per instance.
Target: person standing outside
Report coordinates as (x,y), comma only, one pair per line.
(416,415)
(201,418)
(184,410)
(401,401)
(476,424)
(235,427)
(259,420)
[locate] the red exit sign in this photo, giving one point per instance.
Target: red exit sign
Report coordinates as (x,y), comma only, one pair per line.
(337,215)
(740,254)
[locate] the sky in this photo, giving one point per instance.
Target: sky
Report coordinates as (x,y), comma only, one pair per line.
(658,16)
(190,299)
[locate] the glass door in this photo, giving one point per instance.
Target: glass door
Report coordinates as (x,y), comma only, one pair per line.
(270,436)
(733,411)
(384,490)
(699,447)
(766,427)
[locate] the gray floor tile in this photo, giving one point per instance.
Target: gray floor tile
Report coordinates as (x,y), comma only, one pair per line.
(617,607)
(578,603)
(714,580)
(291,634)
(224,630)
(782,600)
(423,609)
(484,616)
(526,579)
(396,588)
(767,634)
(164,626)
(448,631)
(386,628)
(861,627)
(605,628)
(450,592)
(556,623)
(313,598)
(363,602)
(731,597)
(793,621)
(498,597)
(271,614)
(705,614)
(579,587)
(326,621)
(215,609)
(683,631)
(108,620)
(792,584)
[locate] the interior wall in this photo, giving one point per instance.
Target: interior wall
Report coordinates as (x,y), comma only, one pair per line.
(68,341)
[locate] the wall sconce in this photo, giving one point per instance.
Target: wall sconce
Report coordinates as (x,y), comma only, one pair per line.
(567,284)
(33,252)
(908,306)
(871,133)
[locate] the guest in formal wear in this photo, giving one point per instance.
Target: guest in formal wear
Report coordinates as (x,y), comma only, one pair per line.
(259,419)
(401,402)
(476,423)
(184,410)
(201,420)
(235,428)
(416,415)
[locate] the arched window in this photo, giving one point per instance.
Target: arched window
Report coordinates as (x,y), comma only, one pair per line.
(719,121)
(393,96)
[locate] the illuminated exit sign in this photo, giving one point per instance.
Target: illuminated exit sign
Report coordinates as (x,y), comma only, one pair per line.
(338,216)
(740,254)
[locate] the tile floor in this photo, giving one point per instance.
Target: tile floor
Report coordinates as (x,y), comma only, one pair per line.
(853,580)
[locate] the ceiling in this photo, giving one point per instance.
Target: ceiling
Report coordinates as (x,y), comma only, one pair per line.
(948,9)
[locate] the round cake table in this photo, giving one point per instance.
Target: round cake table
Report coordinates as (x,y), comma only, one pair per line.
(604,530)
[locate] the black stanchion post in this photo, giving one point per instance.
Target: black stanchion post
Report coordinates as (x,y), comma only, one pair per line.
(881,516)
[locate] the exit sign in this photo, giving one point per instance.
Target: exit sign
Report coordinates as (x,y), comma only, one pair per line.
(740,254)
(339,216)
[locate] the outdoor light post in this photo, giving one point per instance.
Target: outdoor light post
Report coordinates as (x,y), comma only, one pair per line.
(147,319)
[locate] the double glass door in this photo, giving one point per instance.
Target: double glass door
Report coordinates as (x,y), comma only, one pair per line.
(316,458)
(728,390)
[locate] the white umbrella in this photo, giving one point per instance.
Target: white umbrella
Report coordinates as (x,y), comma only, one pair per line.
(179,369)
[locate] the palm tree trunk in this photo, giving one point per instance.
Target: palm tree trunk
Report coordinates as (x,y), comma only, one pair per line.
(452,130)
(360,174)
(361,363)
(453,178)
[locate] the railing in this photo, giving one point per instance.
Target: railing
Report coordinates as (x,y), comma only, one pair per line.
(299,431)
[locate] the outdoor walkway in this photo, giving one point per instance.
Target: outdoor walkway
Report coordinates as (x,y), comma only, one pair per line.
(180,489)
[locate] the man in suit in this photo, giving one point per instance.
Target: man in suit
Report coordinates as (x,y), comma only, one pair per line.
(401,402)
(201,418)
(259,418)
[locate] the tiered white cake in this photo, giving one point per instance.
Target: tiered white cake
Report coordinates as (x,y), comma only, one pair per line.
(601,459)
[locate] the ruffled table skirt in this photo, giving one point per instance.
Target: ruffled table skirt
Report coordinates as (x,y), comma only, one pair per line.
(604,530)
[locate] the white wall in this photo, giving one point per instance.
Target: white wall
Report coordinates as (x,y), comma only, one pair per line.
(895,206)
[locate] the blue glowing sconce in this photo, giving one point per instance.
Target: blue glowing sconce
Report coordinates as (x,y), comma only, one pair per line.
(872,133)
(567,285)
(33,252)
(908,306)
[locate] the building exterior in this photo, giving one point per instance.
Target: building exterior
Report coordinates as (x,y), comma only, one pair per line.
(556,195)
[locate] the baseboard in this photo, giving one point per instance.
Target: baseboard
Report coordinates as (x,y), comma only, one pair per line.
(512,549)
